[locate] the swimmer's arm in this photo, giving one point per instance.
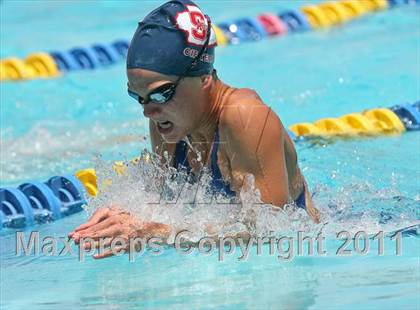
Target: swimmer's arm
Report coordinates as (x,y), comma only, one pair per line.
(255,145)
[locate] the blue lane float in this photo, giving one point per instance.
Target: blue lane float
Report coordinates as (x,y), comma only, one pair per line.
(409,115)
(85,58)
(64,61)
(16,210)
(242,30)
(402,2)
(295,20)
(121,46)
(106,56)
(70,193)
(44,204)
(93,57)
(252,28)
(233,33)
(37,202)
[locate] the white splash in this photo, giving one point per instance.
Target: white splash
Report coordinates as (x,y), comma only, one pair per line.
(50,148)
(164,196)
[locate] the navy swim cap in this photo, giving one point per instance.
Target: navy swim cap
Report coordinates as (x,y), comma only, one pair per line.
(169,38)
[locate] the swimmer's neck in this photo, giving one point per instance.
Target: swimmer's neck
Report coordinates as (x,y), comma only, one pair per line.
(214,101)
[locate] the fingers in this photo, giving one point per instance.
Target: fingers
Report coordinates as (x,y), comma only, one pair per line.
(109,225)
(90,231)
(105,254)
(109,253)
(112,232)
(98,216)
(109,230)
(99,244)
(104,249)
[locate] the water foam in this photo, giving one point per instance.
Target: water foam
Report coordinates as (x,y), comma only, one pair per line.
(52,149)
(162,195)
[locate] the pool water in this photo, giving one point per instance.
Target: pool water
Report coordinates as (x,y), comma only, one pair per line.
(58,126)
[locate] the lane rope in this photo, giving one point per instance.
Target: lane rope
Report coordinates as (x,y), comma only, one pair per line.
(59,196)
(310,17)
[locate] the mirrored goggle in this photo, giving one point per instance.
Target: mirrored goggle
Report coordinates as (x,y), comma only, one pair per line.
(160,95)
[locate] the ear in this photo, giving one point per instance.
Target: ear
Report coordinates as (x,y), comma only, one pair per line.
(206,81)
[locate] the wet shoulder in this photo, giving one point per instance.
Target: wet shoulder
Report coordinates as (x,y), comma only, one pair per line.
(244,113)
(243,107)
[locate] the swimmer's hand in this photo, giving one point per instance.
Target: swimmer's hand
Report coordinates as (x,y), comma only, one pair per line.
(114,222)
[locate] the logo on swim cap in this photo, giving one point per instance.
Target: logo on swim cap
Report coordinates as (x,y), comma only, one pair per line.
(170,38)
(194,24)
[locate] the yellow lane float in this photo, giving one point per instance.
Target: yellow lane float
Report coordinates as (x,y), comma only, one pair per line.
(3,73)
(333,127)
(354,8)
(385,120)
(43,65)
(220,36)
(16,69)
(375,5)
(359,123)
(335,12)
(371,122)
(37,65)
(317,18)
(305,129)
(89,180)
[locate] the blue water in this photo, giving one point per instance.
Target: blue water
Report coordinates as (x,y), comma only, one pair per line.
(58,126)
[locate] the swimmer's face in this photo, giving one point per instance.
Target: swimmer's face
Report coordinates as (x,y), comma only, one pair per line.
(178,117)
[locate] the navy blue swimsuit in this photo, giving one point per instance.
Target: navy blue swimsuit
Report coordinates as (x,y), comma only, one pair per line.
(218,185)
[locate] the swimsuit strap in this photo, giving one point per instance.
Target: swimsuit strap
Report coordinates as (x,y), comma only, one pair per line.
(213,157)
(181,155)
(300,201)
(217,182)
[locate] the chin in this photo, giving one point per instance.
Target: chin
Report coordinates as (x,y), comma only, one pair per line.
(174,134)
(170,139)
(173,137)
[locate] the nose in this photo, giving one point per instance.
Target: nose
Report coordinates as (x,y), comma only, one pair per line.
(151,110)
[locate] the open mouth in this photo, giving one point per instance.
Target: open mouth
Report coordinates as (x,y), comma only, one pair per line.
(165,125)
